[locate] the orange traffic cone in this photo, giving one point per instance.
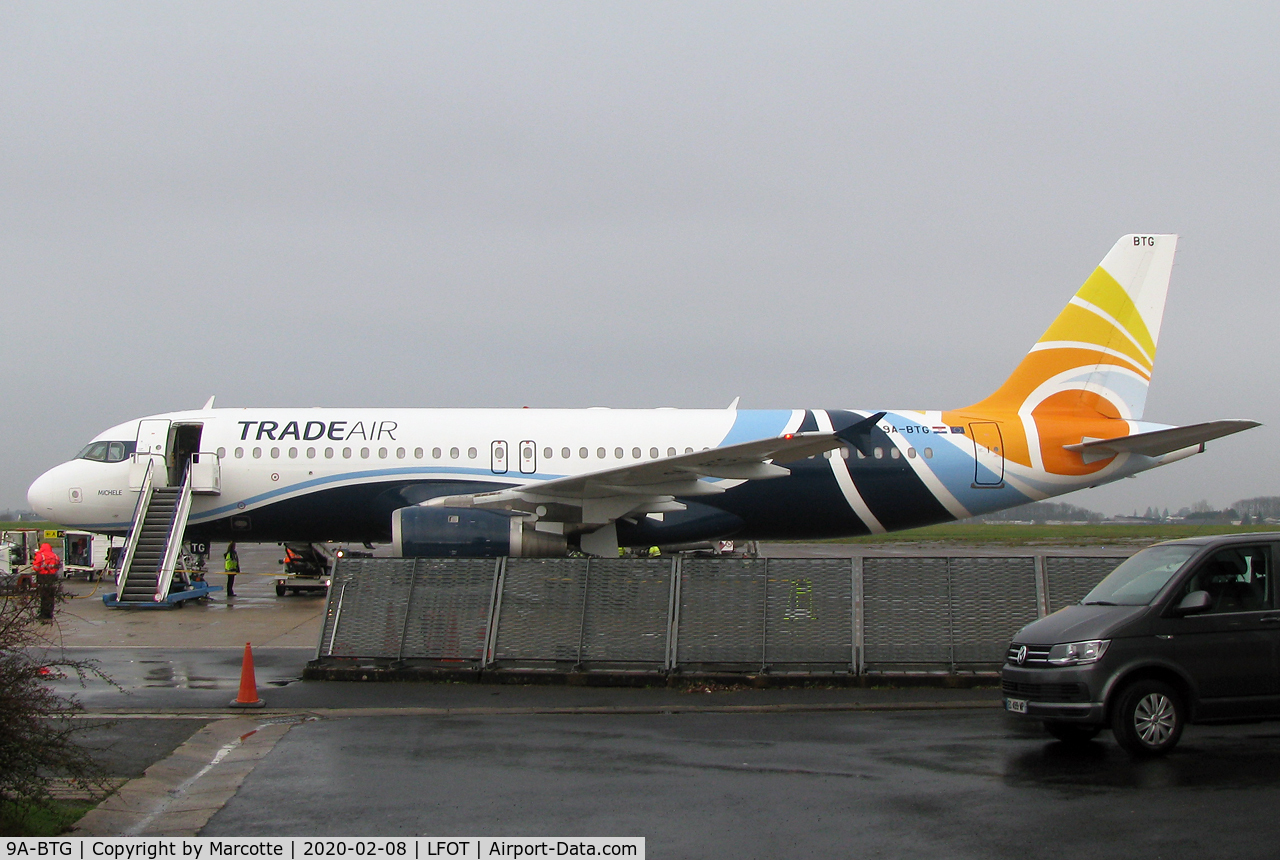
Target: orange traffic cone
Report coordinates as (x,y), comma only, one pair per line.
(248,697)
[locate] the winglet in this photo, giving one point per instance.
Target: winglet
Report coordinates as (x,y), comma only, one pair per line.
(734,405)
(208,403)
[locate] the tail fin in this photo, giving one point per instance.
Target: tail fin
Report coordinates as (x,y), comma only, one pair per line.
(1099,352)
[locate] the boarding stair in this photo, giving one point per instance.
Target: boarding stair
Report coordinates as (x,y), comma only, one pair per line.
(149,574)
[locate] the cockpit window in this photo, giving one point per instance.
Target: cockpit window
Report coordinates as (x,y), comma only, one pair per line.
(107,452)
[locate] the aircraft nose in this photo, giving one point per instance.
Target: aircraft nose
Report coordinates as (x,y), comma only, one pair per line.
(46,494)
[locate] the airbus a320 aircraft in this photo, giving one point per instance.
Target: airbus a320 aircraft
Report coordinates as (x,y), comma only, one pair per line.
(522,482)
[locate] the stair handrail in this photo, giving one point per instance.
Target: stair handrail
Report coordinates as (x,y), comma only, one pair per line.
(173,541)
(135,530)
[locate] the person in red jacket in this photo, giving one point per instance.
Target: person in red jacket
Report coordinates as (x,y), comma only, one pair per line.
(46,565)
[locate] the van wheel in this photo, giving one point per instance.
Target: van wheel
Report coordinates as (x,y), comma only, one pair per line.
(1071,733)
(279,590)
(1148,718)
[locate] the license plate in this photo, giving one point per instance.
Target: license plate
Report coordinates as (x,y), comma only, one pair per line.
(1015,706)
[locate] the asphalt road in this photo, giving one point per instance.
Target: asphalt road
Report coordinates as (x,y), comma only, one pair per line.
(837,772)
(919,784)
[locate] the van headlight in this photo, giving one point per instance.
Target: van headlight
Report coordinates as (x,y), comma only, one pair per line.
(1078,653)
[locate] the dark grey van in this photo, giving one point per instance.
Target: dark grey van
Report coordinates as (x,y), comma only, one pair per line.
(1184,631)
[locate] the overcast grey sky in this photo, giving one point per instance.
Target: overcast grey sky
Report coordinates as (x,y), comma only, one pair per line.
(564,204)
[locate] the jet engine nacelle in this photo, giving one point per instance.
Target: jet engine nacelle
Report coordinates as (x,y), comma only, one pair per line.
(430,532)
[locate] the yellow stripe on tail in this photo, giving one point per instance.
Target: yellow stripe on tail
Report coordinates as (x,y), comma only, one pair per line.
(1088,374)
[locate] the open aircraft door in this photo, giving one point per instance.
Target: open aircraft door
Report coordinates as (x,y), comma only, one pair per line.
(153,442)
(988,454)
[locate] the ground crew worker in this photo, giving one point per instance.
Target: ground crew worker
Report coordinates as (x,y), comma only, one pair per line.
(231,564)
(46,565)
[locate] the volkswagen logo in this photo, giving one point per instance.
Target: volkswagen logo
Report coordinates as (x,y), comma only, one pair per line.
(1022,654)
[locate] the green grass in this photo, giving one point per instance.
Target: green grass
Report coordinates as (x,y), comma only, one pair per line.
(27,524)
(42,820)
(1000,534)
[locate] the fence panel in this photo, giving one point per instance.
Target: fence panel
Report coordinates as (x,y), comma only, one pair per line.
(731,614)
(810,611)
(540,615)
(906,611)
(991,599)
(449,610)
(626,615)
(721,611)
(1072,577)
(370,615)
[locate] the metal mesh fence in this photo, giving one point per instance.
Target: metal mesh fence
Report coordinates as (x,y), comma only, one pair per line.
(540,614)
(809,612)
(745,615)
(722,611)
(1070,579)
(449,606)
(905,613)
(627,606)
(991,599)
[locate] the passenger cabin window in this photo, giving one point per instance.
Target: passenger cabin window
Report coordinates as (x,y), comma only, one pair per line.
(582,453)
(346,453)
(653,453)
(382,453)
(1238,579)
(275,453)
(239,453)
(222,452)
(453,453)
(257,453)
(399,453)
(328,453)
(311,453)
(364,453)
(671,452)
(565,453)
(617,453)
(928,453)
(293,453)
(417,453)
(546,453)
(471,452)
(600,453)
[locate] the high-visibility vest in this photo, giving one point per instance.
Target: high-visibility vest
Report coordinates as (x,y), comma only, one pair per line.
(46,563)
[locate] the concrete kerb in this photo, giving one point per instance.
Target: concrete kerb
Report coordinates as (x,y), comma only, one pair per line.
(179,794)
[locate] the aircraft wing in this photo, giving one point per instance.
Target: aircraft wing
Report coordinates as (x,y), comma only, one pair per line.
(652,487)
(1157,442)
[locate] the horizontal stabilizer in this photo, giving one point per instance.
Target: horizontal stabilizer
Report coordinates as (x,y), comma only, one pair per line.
(1158,442)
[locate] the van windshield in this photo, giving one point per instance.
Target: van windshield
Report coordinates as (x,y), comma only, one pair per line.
(1140,577)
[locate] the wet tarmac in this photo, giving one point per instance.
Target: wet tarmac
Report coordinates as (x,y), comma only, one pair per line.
(878,772)
(920,784)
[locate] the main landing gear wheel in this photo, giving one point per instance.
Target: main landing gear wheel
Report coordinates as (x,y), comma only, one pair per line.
(1071,733)
(1148,718)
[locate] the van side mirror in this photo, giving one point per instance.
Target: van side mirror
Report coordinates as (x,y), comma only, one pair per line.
(1196,601)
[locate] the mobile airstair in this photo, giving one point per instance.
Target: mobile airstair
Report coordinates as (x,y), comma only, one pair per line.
(149,575)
